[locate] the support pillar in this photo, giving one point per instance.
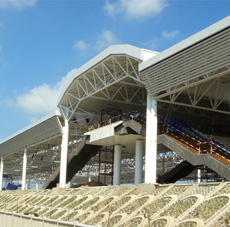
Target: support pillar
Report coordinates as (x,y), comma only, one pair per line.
(117,165)
(88,175)
(36,185)
(24,170)
(163,164)
(151,141)
(1,174)
(139,162)
(198,175)
(28,185)
(64,155)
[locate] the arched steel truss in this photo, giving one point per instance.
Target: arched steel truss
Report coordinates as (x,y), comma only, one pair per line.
(115,79)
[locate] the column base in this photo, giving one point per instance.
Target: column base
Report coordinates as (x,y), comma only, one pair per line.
(148,188)
(56,191)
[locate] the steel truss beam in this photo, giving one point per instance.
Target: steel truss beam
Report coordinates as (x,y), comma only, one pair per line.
(195,77)
(210,96)
(116,79)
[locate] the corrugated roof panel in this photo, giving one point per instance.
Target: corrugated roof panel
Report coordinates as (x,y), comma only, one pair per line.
(175,72)
(47,129)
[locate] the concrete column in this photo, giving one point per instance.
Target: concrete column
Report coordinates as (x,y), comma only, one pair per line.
(163,165)
(198,175)
(117,165)
(1,174)
(151,141)
(28,185)
(139,161)
(64,155)
(24,170)
(36,186)
(88,175)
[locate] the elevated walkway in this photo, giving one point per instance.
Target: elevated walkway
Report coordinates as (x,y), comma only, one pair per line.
(122,132)
(127,131)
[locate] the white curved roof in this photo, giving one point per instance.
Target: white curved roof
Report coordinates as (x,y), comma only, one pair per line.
(123,49)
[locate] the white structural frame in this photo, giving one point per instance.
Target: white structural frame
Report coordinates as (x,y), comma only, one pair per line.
(92,82)
(139,161)
(151,141)
(117,165)
(24,167)
(108,76)
(64,155)
(198,175)
(1,174)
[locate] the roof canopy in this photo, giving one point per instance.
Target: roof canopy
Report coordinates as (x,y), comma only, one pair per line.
(194,72)
(112,76)
(45,129)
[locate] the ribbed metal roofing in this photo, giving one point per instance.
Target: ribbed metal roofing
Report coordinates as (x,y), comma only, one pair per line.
(194,72)
(31,136)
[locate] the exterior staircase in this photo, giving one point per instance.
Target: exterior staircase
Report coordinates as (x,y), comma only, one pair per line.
(180,171)
(77,159)
(213,160)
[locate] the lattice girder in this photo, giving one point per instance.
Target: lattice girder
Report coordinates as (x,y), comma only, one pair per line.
(212,96)
(194,77)
(116,78)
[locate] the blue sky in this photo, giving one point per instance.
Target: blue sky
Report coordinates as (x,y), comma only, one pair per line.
(42,42)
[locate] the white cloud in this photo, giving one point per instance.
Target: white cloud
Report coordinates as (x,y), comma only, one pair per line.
(110,8)
(39,100)
(33,119)
(9,102)
(135,8)
(82,45)
(151,44)
(18,4)
(42,99)
(106,39)
(170,35)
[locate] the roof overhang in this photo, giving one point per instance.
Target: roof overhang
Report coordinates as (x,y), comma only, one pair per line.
(195,72)
(123,49)
(190,41)
(110,76)
(46,128)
